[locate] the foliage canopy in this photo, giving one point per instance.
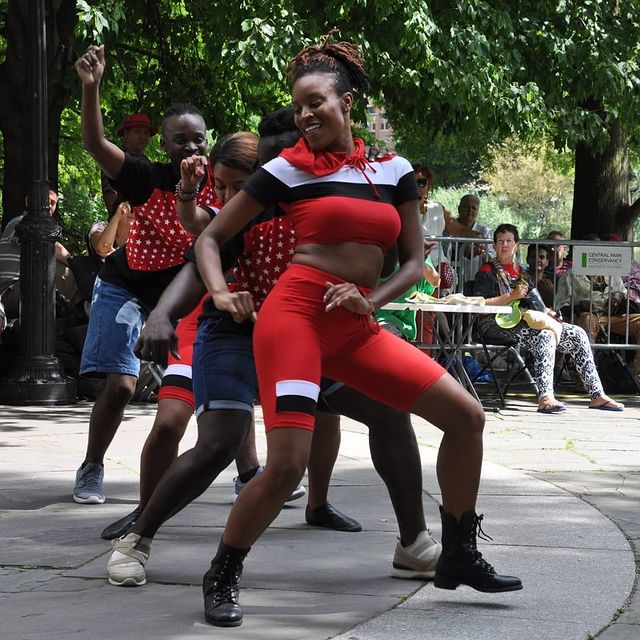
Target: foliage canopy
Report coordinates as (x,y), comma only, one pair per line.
(454,76)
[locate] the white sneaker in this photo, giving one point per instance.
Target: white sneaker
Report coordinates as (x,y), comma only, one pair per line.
(126,564)
(418,560)
(296,494)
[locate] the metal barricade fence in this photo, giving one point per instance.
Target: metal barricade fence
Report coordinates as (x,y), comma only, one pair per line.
(588,295)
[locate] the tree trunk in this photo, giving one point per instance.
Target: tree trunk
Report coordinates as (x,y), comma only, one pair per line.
(14,96)
(14,112)
(601,189)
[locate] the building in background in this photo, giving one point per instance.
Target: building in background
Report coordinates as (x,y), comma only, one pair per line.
(380,128)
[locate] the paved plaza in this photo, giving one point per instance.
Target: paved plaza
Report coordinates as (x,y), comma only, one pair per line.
(560,493)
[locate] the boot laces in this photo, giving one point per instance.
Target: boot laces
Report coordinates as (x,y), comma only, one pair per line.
(480,531)
(476,531)
(224,583)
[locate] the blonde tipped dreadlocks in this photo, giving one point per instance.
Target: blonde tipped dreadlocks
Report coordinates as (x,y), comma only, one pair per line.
(342,59)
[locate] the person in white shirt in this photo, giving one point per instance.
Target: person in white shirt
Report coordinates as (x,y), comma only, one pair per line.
(469,257)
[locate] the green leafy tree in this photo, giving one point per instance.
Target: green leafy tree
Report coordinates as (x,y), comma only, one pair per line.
(452,74)
(522,177)
(489,69)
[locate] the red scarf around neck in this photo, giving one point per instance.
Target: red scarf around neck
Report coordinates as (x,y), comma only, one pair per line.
(323,163)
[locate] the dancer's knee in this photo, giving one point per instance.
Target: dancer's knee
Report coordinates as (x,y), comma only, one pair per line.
(221,434)
(450,408)
(476,419)
(284,477)
(119,390)
(165,434)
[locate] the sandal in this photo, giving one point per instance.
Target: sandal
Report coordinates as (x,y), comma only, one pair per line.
(610,405)
(552,408)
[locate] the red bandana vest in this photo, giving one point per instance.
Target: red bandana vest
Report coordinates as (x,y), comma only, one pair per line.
(268,249)
(157,240)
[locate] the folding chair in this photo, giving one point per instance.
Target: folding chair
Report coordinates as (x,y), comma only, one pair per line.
(149,381)
(516,366)
(510,351)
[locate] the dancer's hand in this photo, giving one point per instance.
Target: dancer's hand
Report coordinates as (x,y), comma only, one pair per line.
(191,171)
(348,296)
(91,65)
(157,339)
(239,304)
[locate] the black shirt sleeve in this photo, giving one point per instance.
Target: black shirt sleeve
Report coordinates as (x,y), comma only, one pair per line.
(266,188)
(229,252)
(138,178)
(406,190)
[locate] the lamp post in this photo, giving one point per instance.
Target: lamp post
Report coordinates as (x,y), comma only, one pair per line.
(36,376)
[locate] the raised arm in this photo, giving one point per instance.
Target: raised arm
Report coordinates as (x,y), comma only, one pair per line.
(90,68)
(103,241)
(240,210)
(193,218)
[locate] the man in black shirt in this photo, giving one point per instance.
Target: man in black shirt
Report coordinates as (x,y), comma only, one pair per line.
(134,275)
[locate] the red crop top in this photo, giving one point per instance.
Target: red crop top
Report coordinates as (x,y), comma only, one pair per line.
(352,204)
(336,219)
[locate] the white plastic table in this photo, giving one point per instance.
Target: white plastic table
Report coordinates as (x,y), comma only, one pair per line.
(448,338)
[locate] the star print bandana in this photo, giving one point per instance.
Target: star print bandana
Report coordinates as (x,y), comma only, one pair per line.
(157,240)
(268,249)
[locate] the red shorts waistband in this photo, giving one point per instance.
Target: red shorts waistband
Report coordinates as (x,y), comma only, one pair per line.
(318,276)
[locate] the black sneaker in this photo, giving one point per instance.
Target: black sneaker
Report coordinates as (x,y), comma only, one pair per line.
(329,517)
(118,528)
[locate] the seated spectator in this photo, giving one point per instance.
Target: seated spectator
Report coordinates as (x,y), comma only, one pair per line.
(560,263)
(598,302)
(502,281)
(632,281)
(10,267)
(469,256)
(538,261)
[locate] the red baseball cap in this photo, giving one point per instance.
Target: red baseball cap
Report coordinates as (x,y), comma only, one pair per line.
(137,120)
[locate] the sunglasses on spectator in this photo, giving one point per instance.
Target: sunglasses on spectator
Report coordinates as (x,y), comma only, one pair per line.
(422,183)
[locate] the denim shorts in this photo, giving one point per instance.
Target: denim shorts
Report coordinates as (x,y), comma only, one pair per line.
(115,321)
(224,370)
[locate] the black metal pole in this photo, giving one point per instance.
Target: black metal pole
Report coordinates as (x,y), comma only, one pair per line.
(36,376)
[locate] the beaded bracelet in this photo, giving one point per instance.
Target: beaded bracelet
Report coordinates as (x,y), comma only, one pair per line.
(186,196)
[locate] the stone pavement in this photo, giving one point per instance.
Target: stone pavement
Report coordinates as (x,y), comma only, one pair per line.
(560,493)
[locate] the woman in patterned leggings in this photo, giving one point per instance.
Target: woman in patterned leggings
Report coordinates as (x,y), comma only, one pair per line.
(503,281)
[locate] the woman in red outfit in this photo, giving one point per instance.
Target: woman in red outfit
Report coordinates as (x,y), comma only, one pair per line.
(346,212)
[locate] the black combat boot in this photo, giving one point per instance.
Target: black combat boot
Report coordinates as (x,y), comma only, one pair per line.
(220,587)
(462,563)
